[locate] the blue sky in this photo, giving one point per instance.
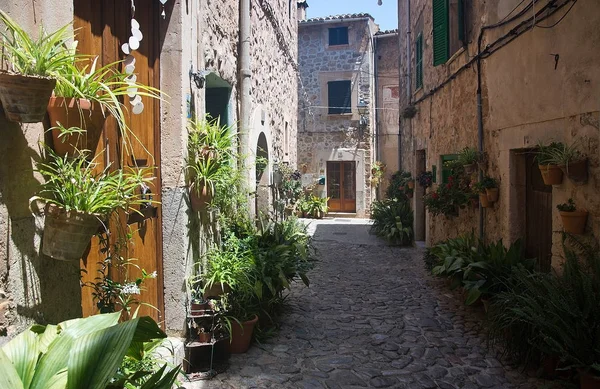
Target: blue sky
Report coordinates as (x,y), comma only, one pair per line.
(385,15)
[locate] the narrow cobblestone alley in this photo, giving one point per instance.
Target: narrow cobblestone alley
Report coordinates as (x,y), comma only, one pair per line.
(371,318)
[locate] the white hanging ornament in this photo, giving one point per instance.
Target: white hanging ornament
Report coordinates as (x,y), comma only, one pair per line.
(135,25)
(137,34)
(138,108)
(134,44)
(125,48)
(136,100)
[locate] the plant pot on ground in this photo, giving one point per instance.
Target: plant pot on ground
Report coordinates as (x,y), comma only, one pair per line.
(574,221)
(241,335)
(34,64)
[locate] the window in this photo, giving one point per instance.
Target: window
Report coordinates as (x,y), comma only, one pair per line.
(339,97)
(448,29)
(446,171)
(419,61)
(338,36)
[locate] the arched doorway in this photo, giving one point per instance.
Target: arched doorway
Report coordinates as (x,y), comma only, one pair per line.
(262,164)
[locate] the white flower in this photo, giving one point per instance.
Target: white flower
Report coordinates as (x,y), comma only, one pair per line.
(130,288)
(73,181)
(153,274)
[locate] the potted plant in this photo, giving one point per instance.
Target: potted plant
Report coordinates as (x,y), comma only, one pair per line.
(551,173)
(425,179)
(570,160)
(317,207)
(34,65)
(491,188)
(83,96)
(574,221)
(480,189)
(77,201)
(210,155)
(469,157)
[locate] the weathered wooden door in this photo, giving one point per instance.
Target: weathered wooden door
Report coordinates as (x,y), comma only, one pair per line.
(538,229)
(341,186)
(102,27)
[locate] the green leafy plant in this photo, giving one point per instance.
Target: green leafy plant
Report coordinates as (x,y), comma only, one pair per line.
(106,86)
(261,164)
(392,220)
(569,206)
(425,179)
(210,154)
(79,353)
(448,198)
(554,314)
(398,187)
(74,185)
(544,153)
(561,154)
(46,56)
(469,156)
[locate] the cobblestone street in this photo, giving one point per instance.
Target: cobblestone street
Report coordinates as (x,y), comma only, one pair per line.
(371,318)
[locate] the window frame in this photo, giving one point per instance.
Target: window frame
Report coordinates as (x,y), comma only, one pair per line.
(446,172)
(339,109)
(337,41)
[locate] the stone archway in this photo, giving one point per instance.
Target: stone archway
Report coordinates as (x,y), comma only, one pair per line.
(262,164)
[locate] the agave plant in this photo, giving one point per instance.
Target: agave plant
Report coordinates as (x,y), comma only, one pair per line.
(46,56)
(80,353)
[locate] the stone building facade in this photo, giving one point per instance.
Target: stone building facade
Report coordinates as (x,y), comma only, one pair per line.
(535,85)
(202,38)
(387,56)
(332,144)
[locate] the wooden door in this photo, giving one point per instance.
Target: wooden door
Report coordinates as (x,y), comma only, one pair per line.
(102,27)
(538,229)
(341,186)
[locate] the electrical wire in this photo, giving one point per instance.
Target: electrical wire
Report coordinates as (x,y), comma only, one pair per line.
(561,19)
(513,10)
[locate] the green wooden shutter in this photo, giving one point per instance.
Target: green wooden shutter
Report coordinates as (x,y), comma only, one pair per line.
(419,61)
(441,41)
(461,22)
(447,172)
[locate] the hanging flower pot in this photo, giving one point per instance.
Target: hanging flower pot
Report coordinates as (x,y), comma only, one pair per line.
(483,200)
(551,174)
(79,113)
(411,184)
(200,198)
(492,194)
(215,290)
(574,221)
(241,335)
(576,170)
(470,168)
(67,234)
(25,98)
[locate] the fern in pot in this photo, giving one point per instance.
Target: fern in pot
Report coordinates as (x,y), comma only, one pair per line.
(84,95)
(77,200)
(34,65)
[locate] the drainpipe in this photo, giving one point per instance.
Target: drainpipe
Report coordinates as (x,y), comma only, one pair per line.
(376,86)
(480,126)
(408,76)
(245,81)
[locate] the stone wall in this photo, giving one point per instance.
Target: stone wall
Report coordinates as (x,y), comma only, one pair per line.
(321,134)
(197,34)
(525,100)
(387,57)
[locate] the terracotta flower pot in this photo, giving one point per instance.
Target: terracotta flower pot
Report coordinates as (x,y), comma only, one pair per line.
(199,199)
(241,335)
(199,308)
(411,184)
(483,200)
(216,290)
(574,222)
(470,168)
(67,234)
(205,337)
(576,170)
(551,174)
(492,194)
(25,98)
(75,113)
(588,381)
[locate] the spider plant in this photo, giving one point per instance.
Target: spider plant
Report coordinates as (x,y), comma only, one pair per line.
(46,56)
(208,138)
(106,86)
(562,155)
(469,156)
(72,184)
